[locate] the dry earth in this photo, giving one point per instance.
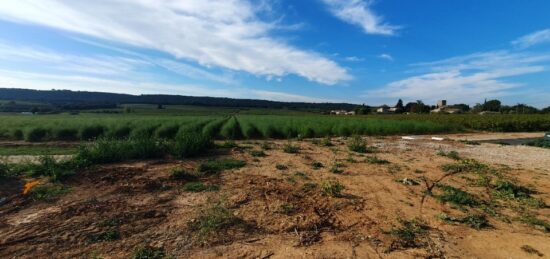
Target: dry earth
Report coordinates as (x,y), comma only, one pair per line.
(283,213)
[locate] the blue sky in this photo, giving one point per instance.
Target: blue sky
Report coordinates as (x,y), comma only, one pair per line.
(357,51)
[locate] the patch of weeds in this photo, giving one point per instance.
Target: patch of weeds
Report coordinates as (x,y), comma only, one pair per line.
(350,159)
(471,142)
(291,180)
(357,144)
(149,252)
(216,166)
(265,146)
(229,144)
(336,168)
(301,175)
(509,190)
(48,192)
(376,160)
(182,174)
(5,170)
(465,165)
(257,153)
(326,142)
(290,148)
(408,233)
(452,154)
(332,187)
(213,219)
(109,235)
(539,224)
(475,221)
(49,167)
(316,165)
(200,187)
(307,187)
(287,209)
(281,167)
(456,196)
(543,142)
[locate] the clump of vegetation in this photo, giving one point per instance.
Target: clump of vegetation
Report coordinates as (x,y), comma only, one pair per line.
(463,166)
(301,175)
(105,150)
(456,196)
(332,187)
(229,144)
(408,233)
(543,142)
(257,153)
(49,167)
(451,154)
(316,165)
(336,168)
(326,142)
(91,132)
(539,224)
(290,148)
(5,170)
(190,144)
(109,235)
(357,144)
(48,192)
(281,167)
(182,174)
(287,209)
(509,190)
(475,221)
(36,134)
(214,218)
(200,187)
(149,252)
(265,145)
(215,166)
(471,142)
(307,187)
(376,160)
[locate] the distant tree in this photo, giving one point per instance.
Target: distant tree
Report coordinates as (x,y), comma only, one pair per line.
(545,110)
(399,106)
(492,105)
(463,107)
(419,107)
(519,109)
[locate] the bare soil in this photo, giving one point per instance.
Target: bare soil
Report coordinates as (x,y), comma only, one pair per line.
(284,213)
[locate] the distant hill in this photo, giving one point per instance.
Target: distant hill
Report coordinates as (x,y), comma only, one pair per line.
(67,100)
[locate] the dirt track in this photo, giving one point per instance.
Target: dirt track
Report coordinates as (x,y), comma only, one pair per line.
(147,207)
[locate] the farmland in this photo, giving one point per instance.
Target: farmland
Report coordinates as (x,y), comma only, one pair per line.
(145,121)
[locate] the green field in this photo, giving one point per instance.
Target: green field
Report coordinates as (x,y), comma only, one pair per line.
(232,123)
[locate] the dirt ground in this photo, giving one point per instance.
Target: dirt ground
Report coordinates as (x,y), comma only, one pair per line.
(283,212)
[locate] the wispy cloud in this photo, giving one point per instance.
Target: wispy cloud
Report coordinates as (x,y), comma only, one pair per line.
(354,59)
(225,34)
(359,13)
(286,97)
(468,79)
(386,56)
(535,38)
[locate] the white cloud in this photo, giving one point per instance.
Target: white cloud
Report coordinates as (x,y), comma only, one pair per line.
(354,59)
(535,38)
(467,79)
(222,33)
(386,56)
(359,13)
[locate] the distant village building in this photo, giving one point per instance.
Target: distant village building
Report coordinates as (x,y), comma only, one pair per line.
(443,108)
(342,112)
(383,110)
(441,103)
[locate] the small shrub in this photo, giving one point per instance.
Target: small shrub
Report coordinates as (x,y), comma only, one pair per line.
(49,167)
(66,134)
(307,187)
(508,190)
(149,252)
(357,144)
(48,192)
(376,160)
(182,174)
(18,134)
(287,209)
(190,144)
(452,154)
(326,142)
(5,170)
(167,131)
(109,235)
(36,135)
(456,196)
(216,166)
(229,144)
(408,232)
(281,167)
(463,166)
(471,142)
(537,223)
(291,149)
(213,219)
(265,146)
(476,221)
(316,165)
(332,188)
(200,187)
(335,168)
(301,175)
(91,132)
(257,153)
